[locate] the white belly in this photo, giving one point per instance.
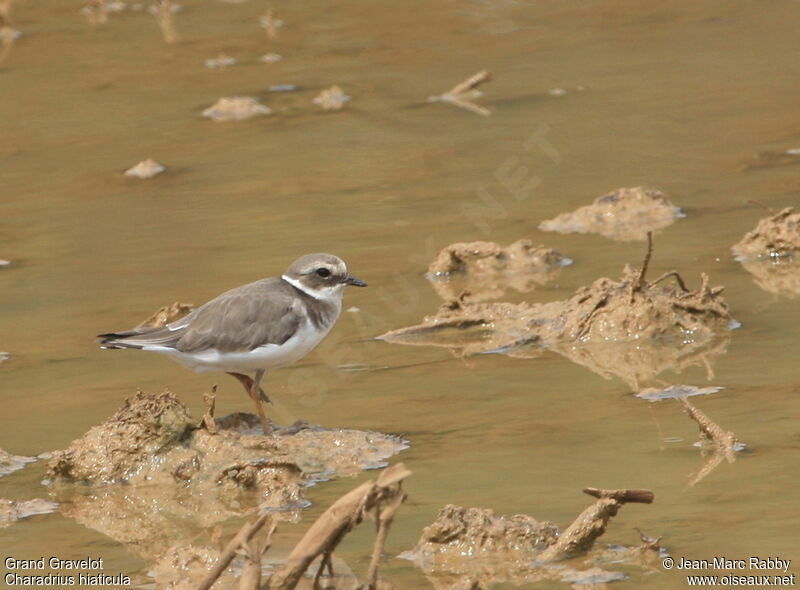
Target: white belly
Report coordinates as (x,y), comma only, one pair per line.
(269,356)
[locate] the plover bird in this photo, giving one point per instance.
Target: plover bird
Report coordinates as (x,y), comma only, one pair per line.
(263,325)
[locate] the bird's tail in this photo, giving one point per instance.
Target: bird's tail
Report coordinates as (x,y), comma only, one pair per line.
(139,338)
(116,340)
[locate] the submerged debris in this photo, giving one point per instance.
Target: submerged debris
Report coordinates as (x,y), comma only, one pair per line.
(14,510)
(625,214)
(648,554)
(770,253)
(655,394)
(236,108)
(724,445)
(145,169)
(221,61)
(331,99)
(485,270)
(271,58)
(96,12)
(10,463)
(473,548)
(771,159)
(8,35)
(270,24)
(464,94)
(164,11)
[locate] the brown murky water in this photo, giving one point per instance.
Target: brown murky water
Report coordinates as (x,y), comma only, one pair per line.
(675,95)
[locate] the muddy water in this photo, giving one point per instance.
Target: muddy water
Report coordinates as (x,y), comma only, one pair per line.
(679,96)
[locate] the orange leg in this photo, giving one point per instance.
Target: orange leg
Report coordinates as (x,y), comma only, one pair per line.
(253,389)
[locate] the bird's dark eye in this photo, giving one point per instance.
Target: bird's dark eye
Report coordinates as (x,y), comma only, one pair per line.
(323,272)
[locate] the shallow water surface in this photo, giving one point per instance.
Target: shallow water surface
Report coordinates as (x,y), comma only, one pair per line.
(680,96)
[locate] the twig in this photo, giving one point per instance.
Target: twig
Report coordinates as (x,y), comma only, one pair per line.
(672,273)
(723,439)
(253,551)
(463,94)
(208,418)
(640,281)
(579,536)
(163,11)
(470,83)
(324,562)
(245,533)
(385,517)
(271,24)
(622,496)
(340,518)
(760,204)
(7,34)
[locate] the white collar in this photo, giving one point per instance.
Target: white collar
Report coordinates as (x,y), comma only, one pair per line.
(320,295)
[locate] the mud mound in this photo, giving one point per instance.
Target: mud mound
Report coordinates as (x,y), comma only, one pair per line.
(13,510)
(631,308)
(189,477)
(652,325)
(770,253)
(473,548)
(126,445)
(459,531)
(153,439)
(777,236)
(625,215)
(486,270)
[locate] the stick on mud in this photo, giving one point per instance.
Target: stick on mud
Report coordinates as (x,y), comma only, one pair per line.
(348,511)
(464,93)
(244,535)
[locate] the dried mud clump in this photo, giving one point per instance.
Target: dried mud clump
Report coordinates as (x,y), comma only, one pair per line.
(625,215)
(236,108)
(486,270)
(145,169)
(770,252)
